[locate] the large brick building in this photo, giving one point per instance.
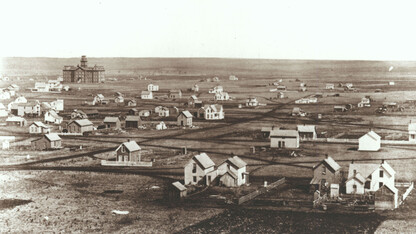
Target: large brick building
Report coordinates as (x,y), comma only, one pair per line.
(83,73)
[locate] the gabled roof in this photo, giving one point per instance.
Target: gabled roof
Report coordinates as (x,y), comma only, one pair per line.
(52,137)
(358,177)
(194,97)
(237,162)
(186,113)
(365,169)
(179,186)
(388,168)
(204,160)
(131,146)
(145,92)
(306,128)
(231,174)
(40,124)
(284,133)
(133,118)
(110,119)
(214,107)
(372,135)
(82,122)
(391,188)
(100,96)
(54,114)
(133,109)
(329,162)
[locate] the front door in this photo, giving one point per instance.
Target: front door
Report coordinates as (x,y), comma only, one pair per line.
(182,123)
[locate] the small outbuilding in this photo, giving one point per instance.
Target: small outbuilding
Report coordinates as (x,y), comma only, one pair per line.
(371,141)
(185,119)
(112,122)
(132,121)
(284,139)
(48,141)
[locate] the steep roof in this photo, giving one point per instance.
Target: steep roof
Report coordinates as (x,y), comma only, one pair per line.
(231,174)
(110,119)
(306,128)
(237,162)
(372,135)
(194,97)
(358,177)
(204,160)
(365,169)
(388,168)
(179,186)
(131,146)
(187,114)
(284,133)
(391,188)
(329,161)
(52,137)
(40,124)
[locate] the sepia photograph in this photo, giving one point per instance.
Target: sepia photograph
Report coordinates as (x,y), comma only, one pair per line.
(181,116)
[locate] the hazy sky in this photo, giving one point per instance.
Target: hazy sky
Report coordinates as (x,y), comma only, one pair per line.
(313,29)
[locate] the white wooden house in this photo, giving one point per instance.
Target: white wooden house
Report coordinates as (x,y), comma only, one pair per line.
(38,127)
(146,95)
(52,117)
(252,101)
(369,177)
(284,139)
(329,86)
(211,112)
(412,132)
(307,131)
(232,77)
(371,141)
(233,172)
(221,96)
(200,168)
(152,87)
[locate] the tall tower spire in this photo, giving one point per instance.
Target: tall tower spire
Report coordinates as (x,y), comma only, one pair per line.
(84,61)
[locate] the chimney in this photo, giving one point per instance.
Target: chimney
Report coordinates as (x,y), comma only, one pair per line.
(382,161)
(352,161)
(355,172)
(273,127)
(326,156)
(128,140)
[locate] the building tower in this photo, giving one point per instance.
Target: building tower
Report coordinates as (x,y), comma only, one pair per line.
(84,61)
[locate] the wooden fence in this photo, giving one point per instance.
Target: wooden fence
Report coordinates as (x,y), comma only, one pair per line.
(128,164)
(409,189)
(260,191)
(355,141)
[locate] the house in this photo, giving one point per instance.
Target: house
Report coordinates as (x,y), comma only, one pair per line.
(57,105)
(128,151)
(221,96)
(191,100)
(371,141)
(161,126)
(146,95)
(329,86)
(325,173)
(195,88)
(412,132)
(307,131)
(302,89)
(119,99)
(265,131)
(112,122)
(211,112)
(52,117)
(232,172)
(80,126)
(41,87)
(79,114)
(215,79)
(296,111)
(175,93)
(365,102)
(38,127)
(386,198)
(152,87)
(284,139)
(162,111)
(280,95)
(144,113)
(349,85)
(281,88)
(340,109)
(132,121)
(177,191)
(133,111)
(16,121)
(14,87)
(55,85)
(200,168)
(185,119)
(391,83)
(30,109)
(3,111)
(369,177)
(232,77)
(48,141)
(252,101)
(216,89)
(131,102)
(306,100)
(100,99)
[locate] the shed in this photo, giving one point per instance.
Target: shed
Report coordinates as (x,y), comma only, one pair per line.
(112,122)
(371,141)
(185,119)
(284,138)
(132,121)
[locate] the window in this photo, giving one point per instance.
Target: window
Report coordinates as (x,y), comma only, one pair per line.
(194,178)
(381,174)
(380,184)
(413,136)
(323,170)
(354,186)
(194,168)
(242,176)
(367,185)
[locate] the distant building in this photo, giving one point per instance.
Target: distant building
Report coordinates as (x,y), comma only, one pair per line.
(232,77)
(233,172)
(371,141)
(80,126)
(284,139)
(146,95)
(221,96)
(16,121)
(128,151)
(48,141)
(200,168)
(112,122)
(329,86)
(131,102)
(195,88)
(144,113)
(185,119)
(132,121)
(307,131)
(133,111)
(83,73)
(161,126)
(152,87)
(52,117)
(175,93)
(412,132)
(252,101)
(38,127)
(325,173)
(211,112)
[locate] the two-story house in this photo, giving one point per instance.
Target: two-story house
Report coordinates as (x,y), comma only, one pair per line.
(200,168)
(233,172)
(325,173)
